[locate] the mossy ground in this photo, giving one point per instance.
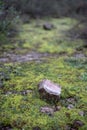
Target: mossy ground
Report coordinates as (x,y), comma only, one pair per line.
(33,37)
(22,111)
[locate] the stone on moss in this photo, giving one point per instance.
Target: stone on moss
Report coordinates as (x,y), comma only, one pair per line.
(70,106)
(81,113)
(47,110)
(48,26)
(49,90)
(77,124)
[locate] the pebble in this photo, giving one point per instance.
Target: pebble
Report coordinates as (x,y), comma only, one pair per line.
(70,106)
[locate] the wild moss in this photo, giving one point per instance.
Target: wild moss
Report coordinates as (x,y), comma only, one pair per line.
(23,111)
(53,41)
(20,101)
(32,37)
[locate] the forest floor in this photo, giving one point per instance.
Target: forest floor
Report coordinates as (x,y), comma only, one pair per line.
(32,55)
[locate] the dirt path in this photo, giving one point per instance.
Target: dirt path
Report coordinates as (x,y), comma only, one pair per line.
(34,56)
(31,56)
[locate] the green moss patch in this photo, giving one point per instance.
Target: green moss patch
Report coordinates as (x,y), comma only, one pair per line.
(33,37)
(23,111)
(20,101)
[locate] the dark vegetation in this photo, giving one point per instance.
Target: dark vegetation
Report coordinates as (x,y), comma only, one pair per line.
(43,39)
(13,9)
(50,7)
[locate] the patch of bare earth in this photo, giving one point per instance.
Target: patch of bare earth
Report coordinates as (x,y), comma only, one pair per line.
(31,56)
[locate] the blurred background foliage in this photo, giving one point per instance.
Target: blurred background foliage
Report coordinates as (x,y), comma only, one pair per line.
(10,9)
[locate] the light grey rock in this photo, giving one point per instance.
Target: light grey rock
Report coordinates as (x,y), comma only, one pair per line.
(71,100)
(47,110)
(9,93)
(28,91)
(81,113)
(58,108)
(49,90)
(70,106)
